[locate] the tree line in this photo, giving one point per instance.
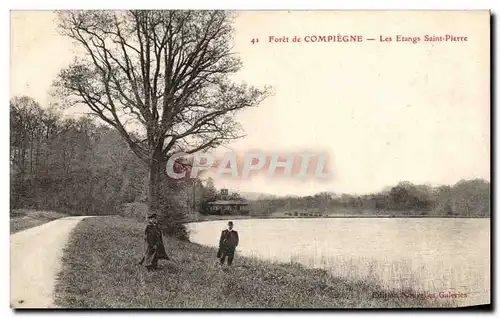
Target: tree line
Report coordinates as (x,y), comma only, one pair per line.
(70,165)
(467,198)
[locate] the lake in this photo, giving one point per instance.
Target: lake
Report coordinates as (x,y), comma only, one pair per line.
(430,254)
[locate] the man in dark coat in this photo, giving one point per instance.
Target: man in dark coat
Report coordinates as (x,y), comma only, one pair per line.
(155,250)
(227,244)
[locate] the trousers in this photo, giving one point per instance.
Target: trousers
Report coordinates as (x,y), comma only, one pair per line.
(229,252)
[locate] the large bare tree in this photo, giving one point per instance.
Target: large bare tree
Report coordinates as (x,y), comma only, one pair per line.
(162,79)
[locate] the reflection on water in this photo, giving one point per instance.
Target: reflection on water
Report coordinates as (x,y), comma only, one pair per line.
(432,255)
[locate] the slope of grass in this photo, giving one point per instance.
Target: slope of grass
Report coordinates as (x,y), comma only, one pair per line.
(23,219)
(100,271)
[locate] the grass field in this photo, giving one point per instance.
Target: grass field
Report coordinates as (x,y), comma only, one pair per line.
(100,271)
(23,219)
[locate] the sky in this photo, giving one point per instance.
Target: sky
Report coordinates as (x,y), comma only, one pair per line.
(383,112)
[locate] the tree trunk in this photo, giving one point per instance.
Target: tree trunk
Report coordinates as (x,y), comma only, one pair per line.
(156,171)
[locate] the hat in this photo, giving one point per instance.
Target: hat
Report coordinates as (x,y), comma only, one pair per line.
(154,215)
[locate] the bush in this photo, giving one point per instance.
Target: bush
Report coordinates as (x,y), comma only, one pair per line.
(173,210)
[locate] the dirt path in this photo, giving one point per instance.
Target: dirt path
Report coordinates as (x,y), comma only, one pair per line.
(35,261)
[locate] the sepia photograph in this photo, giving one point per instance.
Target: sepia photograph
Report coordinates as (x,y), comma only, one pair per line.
(231,159)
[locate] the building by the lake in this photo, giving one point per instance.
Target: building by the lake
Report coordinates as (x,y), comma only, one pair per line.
(227,205)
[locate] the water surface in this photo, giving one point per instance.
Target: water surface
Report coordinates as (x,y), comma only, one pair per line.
(431,254)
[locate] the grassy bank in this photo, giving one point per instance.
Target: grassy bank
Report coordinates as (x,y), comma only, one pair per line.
(100,271)
(23,219)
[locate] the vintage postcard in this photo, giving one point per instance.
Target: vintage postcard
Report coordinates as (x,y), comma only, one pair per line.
(250,159)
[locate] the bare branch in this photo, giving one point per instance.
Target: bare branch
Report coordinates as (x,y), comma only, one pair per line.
(165,73)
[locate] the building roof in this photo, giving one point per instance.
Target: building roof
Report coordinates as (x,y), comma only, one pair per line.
(228,202)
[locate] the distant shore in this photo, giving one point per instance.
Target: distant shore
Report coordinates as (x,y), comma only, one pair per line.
(207,218)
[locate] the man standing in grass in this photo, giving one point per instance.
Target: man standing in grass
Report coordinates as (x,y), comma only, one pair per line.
(227,244)
(155,250)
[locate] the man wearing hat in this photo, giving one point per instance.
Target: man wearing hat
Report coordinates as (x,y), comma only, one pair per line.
(227,244)
(155,250)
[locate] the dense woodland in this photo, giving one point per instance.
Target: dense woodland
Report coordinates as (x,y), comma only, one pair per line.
(70,165)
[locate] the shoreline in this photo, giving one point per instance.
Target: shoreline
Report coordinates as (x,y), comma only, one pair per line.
(208,218)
